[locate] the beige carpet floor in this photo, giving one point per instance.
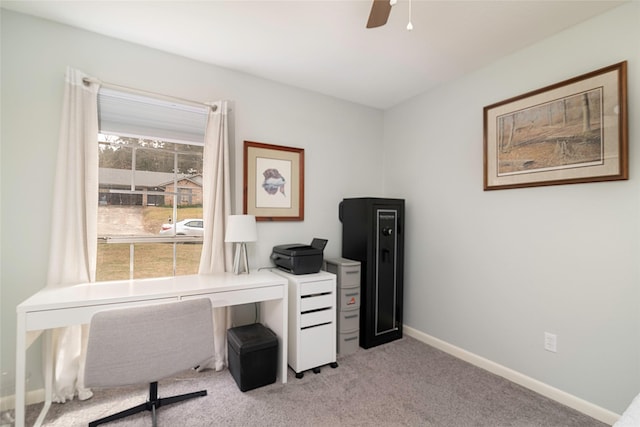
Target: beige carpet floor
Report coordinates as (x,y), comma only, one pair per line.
(402,383)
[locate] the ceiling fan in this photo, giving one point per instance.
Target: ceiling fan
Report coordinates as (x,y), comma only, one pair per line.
(380,10)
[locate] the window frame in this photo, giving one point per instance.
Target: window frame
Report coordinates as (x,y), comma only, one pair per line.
(151,128)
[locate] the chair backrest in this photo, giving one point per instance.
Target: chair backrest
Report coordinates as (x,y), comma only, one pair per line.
(137,345)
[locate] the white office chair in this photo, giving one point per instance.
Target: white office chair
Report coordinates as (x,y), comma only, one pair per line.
(145,344)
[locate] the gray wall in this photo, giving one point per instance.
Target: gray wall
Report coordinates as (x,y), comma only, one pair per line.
(338,137)
(490,272)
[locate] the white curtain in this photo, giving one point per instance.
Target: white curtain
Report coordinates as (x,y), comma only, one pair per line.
(216,207)
(74,222)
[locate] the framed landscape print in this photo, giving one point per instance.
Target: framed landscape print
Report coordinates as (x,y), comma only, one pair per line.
(273,182)
(570,132)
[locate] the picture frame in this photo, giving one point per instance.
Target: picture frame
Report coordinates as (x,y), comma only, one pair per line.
(571,132)
(273,182)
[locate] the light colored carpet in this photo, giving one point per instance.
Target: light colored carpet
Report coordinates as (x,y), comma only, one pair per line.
(402,383)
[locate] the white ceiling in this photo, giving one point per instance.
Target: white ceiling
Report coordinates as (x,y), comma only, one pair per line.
(323,45)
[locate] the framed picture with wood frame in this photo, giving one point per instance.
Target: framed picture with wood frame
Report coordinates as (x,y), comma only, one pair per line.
(570,132)
(273,182)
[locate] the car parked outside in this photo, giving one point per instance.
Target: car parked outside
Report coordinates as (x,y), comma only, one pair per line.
(186,227)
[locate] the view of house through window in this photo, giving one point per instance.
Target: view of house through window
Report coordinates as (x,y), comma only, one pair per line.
(150,208)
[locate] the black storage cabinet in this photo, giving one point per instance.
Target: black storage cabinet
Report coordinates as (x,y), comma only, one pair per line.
(253,355)
(373,233)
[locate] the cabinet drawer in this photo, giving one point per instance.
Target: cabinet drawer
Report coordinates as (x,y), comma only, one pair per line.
(349,299)
(349,321)
(317,318)
(39,320)
(317,347)
(310,288)
(317,301)
(244,296)
(348,343)
(349,276)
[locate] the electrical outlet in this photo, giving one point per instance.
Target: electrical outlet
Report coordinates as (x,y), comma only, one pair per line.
(550,342)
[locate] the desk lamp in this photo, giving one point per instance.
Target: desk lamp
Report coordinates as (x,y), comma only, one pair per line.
(241,229)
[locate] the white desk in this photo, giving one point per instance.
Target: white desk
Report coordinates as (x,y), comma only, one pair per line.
(55,307)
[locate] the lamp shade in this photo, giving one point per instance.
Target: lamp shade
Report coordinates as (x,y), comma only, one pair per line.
(241,228)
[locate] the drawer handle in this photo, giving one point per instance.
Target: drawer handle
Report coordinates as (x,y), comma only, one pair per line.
(315,310)
(352,316)
(355,294)
(315,326)
(352,272)
(315,295)
(351,338)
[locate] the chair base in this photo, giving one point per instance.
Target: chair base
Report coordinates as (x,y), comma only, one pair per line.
(151,405)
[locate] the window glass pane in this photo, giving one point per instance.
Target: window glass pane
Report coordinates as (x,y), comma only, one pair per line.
(150,260)
(153,260)
(156,260)
(114,152)
(149,191)
(188,258)
(160,159)
(190,160)
(113,262)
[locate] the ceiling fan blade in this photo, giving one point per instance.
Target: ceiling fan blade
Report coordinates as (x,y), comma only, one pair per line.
(379,14)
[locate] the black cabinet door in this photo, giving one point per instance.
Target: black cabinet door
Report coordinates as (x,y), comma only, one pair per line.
(373,234)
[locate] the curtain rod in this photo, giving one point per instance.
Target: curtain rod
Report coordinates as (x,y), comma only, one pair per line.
(211,105)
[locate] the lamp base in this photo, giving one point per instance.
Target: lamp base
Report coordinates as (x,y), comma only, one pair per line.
(241,252)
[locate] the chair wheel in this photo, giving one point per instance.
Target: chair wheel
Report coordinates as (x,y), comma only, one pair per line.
(334,365)
(299,375)
(316,370)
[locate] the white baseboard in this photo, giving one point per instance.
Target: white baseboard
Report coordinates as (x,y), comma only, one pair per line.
(33,396)
(539,387)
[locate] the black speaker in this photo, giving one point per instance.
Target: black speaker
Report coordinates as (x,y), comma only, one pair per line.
(373,233)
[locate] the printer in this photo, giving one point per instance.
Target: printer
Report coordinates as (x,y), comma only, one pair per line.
(297,258)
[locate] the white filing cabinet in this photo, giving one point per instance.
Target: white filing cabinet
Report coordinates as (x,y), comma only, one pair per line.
(312,321)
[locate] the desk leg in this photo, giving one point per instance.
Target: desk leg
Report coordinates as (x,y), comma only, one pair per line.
(21,373)
(48,376)
(21,369)
(275,315)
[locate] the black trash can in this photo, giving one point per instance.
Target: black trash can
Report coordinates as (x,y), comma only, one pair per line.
(253,355)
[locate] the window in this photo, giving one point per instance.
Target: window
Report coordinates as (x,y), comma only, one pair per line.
(150,187)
